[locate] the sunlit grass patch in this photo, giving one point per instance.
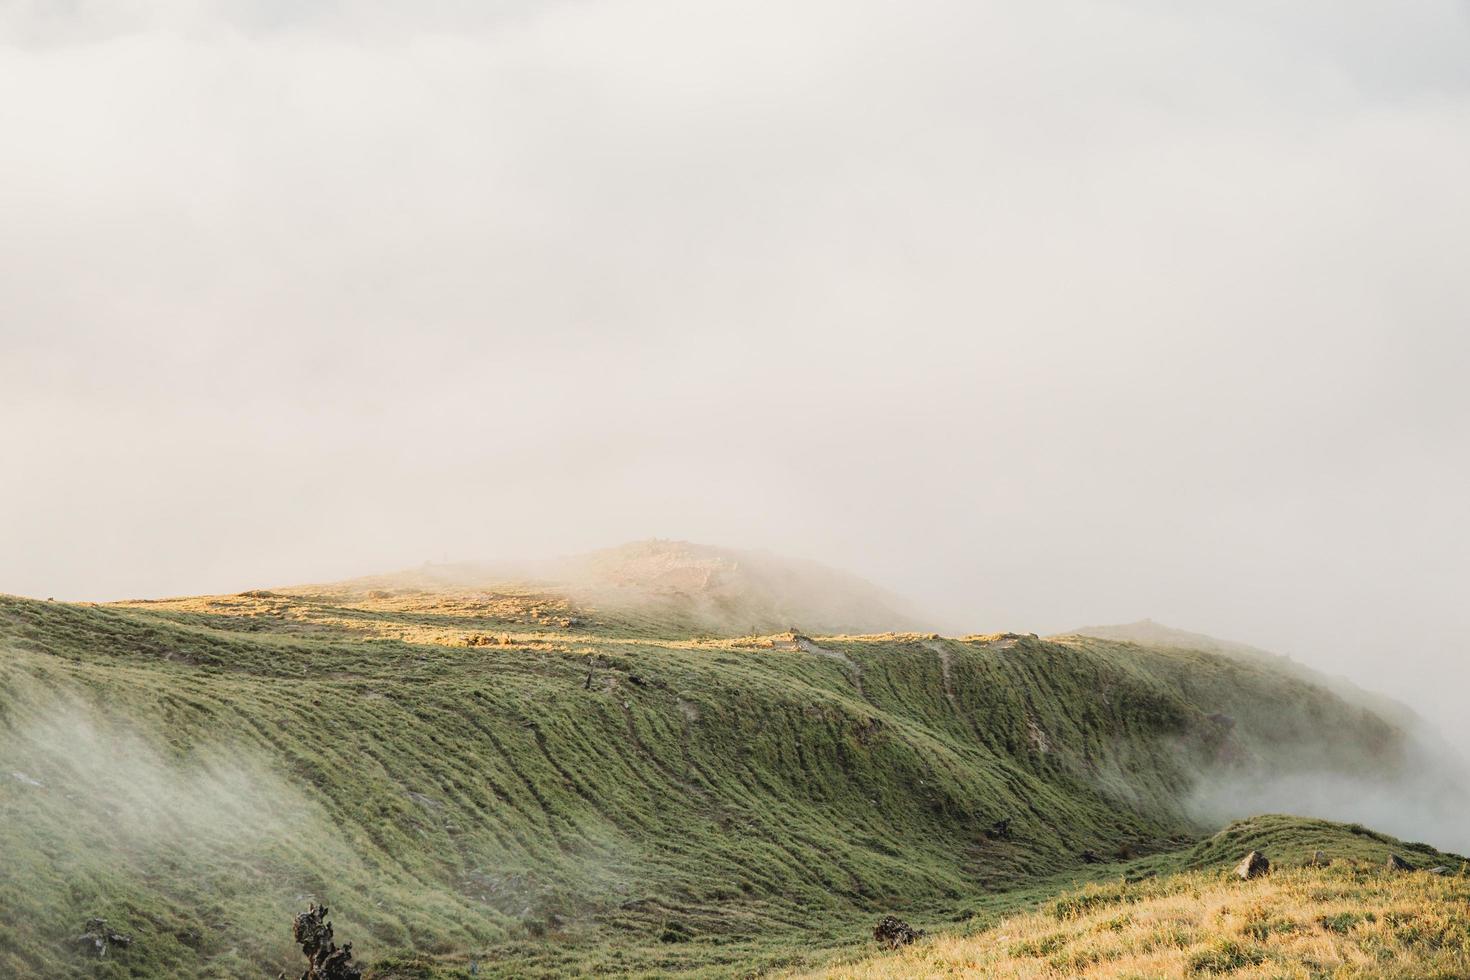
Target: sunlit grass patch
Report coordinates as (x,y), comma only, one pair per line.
(1344,922)
(1300,923)
(1224,955)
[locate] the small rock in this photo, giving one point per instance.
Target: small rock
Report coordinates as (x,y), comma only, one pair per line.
(891,932)
(1000,830)
(1396,863)
(1090,856)
(1253,865)
(427,802)
(98,940)
(1439,870)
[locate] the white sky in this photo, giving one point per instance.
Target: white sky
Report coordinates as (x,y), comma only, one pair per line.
(1045,314)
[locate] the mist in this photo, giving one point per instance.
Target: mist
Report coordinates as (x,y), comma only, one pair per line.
(1424,798)
(1077,313)
(120,786)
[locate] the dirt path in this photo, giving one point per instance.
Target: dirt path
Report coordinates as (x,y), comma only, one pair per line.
(854,672)
(946,672)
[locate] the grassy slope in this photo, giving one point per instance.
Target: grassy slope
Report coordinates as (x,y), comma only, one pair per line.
(709,804)
(1351,919)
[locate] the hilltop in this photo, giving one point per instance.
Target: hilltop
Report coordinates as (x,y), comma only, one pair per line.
(674,586)
(543,776)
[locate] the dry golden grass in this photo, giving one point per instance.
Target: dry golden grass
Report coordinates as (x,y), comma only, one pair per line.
(456,617)
(1336,922)
(541,619)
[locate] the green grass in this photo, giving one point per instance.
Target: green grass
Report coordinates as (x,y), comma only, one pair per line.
(711,805)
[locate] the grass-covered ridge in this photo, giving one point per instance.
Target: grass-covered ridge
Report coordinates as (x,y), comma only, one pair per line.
(513,779)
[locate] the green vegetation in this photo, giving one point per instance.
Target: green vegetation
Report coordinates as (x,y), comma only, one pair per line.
(513,782)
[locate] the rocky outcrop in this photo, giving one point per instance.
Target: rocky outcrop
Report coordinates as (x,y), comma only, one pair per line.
(1253,865)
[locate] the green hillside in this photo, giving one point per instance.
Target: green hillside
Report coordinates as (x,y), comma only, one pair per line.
(512,781)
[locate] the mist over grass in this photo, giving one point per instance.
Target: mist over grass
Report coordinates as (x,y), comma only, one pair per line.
(136,793)
(1424,796)
(1415,784)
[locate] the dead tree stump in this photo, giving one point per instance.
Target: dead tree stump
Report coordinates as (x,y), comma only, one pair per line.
(325,960)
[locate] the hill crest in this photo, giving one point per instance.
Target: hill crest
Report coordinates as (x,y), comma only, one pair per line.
(691,587)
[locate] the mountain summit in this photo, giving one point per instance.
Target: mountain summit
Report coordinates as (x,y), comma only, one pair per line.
(730,591)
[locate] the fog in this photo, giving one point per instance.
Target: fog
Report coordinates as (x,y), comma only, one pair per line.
(1409,807)
(1040,315)
(124,791)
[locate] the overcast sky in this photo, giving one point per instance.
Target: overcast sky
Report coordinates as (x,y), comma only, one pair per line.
(1044,314)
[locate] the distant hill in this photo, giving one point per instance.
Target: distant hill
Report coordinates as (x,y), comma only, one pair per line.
(693,587)
(1148,633)
(735,592)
